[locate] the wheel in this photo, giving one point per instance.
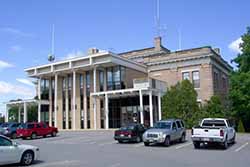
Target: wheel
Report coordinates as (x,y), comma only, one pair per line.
(27,158)
(196,145)
(13,136)
(53,134)
(183,138)
(167,141)
(146,144)
(138,139)
(225,144)
(120,141)
(44,136)
(233,139)
(23,138)
(33,136)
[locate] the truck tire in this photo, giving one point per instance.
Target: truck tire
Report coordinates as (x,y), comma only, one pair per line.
(225,144)
(33,135)
(196,145)
(183,138)
(53,134)
(14,136)
(167,141)
(146,144)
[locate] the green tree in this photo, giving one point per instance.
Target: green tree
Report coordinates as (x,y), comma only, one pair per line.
(240,83)
(214,108)
(180,101)
(13,114)
(240,127)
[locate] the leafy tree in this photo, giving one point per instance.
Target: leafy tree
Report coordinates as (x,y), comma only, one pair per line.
(241,127)
(180,101)
(13,114)
(214,108)
(240,83)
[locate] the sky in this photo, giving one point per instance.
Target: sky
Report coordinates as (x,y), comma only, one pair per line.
(114,25)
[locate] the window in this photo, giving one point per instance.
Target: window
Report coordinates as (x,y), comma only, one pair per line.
(185,75)
(5,142)
(178,124)
(69,81)
(182,124)
(196,79)
(174,125)
(81,81)
(224,83)
(115,78)
(216,80)
(88,83)
(101,80)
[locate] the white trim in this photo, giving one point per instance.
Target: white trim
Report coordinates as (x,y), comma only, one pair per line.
(190,70)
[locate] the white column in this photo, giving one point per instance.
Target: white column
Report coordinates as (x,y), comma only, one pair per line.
(66,104)
(55,101)
(94,108)
(141,107)
(85,102)
(7,113)
(94,102)
(74,100)
(159,106)
(39,111)
(106,112)
(50,102)
(25,112)
(151,109)
(19,114)
(39,98)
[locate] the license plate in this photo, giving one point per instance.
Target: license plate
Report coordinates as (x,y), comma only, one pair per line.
(122,135)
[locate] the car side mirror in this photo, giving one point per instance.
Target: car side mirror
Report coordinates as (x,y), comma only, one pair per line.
(15,144)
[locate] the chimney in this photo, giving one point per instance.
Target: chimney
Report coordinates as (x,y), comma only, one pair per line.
(92,51)
(157,43)
(217,50)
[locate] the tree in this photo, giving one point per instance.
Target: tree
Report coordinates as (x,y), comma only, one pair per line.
(214,108)
(180,101)
(240,127)
(239,92)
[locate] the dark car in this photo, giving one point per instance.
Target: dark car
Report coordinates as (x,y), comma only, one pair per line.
(130,133)
(9,129)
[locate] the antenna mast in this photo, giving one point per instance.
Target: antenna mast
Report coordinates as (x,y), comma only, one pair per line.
(51,56)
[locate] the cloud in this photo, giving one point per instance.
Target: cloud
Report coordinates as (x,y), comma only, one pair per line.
(16,48)
(4,64)
(25,81)
(235,45)
(16,32)
(8,88)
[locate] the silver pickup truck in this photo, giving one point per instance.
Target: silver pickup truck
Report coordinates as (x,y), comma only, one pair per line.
(164,132)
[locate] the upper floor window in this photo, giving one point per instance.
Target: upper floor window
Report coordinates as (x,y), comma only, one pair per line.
(81,81)
(196,79)
(101,80)
(185,75)
(115,78)
(88,83)
(69,81)
(216,80)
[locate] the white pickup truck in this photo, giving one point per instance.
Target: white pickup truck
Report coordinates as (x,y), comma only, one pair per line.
(213,130)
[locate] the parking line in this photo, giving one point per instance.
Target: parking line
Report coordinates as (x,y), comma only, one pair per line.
(108,143)
(183,145)
(241,147)
(139,145)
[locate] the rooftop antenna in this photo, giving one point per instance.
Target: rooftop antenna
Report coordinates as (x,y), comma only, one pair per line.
(158,17)
(51,56)
(179,38)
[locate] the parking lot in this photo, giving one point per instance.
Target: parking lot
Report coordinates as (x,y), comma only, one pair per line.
(97,148)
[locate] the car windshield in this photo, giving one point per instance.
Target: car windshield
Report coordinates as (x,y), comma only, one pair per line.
(214,123)
(131,127)
(4,125)
(162,125)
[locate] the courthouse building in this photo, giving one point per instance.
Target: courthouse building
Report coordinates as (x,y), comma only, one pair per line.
(108,90)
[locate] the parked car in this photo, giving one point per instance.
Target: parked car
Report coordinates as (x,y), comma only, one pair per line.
(34,129)
(165,132)
(12,152)
(9,129)
(132,132)
(213,130)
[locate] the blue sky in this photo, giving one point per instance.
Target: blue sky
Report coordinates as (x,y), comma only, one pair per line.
(116,25)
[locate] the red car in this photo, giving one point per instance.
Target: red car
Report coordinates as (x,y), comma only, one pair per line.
(34,129)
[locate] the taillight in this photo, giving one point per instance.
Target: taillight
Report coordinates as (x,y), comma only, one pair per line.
(221,133)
